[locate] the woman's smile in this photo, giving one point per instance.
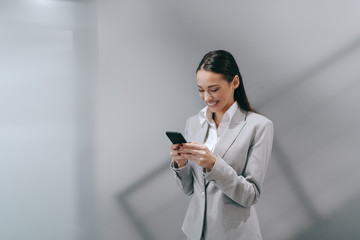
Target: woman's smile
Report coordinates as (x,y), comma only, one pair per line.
(213,104)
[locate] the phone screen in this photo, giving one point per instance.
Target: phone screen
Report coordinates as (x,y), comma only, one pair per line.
(175,137)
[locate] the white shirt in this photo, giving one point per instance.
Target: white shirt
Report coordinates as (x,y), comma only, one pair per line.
(214,134)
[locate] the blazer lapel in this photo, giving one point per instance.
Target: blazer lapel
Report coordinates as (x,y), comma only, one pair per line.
(236,125)
(201,134)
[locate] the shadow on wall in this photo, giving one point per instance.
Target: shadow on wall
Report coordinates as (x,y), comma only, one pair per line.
(155,205)
(159,215)
(344,224)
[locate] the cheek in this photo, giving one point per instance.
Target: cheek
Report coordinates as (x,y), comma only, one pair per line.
(218,95)
(225,95)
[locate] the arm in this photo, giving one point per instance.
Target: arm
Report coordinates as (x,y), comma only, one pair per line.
(182,168)
(184,178)
(245,189)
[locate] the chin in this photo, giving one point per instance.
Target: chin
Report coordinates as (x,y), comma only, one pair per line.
(214,109)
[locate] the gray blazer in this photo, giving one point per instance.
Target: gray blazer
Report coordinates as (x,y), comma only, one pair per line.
(223,199)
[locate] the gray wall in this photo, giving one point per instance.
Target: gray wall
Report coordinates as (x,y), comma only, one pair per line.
(88,89)
(299,61)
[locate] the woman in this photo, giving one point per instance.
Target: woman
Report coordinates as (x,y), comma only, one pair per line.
(224,165)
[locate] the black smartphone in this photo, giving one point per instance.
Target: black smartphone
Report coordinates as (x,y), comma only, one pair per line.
(175,137)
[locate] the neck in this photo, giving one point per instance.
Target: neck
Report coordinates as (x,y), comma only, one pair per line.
(218,118)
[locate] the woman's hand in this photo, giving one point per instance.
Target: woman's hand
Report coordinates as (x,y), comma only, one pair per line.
(199,154)
(178,159)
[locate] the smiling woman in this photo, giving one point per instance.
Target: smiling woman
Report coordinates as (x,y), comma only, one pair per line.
(216,93)
(224,165)
(224,64)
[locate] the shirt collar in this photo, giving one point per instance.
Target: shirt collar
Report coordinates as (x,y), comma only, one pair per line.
(206,115)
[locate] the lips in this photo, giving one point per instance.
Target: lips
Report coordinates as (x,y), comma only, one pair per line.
(212,104)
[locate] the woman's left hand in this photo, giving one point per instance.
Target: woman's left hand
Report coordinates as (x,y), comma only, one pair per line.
(199,154)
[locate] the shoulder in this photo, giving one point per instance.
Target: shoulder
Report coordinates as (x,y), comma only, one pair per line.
(195,118)
(194,121)
(258,121)
(193,124)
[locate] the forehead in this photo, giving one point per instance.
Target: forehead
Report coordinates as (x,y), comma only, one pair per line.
(207,78)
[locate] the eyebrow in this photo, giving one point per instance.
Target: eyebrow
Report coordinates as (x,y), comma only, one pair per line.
(215,85)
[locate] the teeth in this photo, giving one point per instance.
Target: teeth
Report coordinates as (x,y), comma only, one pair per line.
(212,104)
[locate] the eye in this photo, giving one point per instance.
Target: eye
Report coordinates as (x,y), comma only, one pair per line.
(201,90)
(214,90)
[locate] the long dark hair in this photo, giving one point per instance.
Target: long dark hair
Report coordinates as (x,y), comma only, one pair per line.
(224,63)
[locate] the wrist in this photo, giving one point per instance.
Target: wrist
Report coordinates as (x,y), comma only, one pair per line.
(212,163)
(180,164)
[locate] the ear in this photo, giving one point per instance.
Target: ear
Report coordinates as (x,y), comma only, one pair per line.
(236,82)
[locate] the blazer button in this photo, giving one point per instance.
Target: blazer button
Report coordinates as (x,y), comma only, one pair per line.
(203,193)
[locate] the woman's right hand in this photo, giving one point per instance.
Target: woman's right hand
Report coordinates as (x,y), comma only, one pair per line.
(178,160)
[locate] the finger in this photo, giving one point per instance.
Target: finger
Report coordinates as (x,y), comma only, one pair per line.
(175,153)
(191,157)
(193,151)
(176,156)
(179,159)
(176,146)
(173,146)
(194,145)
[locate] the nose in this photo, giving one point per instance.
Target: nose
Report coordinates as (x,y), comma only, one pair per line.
(207,96)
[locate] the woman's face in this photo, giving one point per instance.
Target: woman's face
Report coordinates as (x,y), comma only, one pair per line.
(216,92)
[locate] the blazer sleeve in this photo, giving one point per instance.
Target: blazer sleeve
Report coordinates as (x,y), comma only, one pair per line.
(184,177)
(245,189)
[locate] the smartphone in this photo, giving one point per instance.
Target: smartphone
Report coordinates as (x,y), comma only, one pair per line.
(176,137)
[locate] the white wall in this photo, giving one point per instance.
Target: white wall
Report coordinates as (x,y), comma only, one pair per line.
(38,120)
(46,177)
